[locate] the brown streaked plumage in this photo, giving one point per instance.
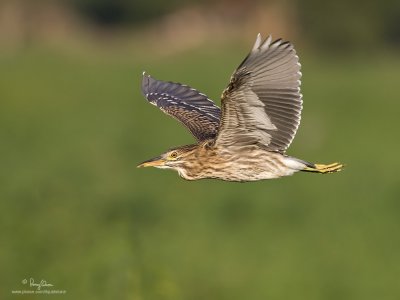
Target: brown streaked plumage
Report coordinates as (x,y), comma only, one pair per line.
(261,110)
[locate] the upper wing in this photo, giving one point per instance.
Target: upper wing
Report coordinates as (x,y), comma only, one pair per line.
(198,113)
(262,103)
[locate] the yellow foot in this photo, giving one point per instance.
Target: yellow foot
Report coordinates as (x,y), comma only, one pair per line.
(324,169)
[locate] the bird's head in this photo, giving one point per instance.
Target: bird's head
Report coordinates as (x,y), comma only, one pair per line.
(172,159)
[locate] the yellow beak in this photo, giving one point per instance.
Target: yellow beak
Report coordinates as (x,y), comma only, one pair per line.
(154,162)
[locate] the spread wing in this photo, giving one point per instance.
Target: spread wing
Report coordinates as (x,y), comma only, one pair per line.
(262,103)
(194,109)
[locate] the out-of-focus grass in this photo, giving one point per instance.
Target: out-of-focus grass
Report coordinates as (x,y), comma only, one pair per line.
(76,212)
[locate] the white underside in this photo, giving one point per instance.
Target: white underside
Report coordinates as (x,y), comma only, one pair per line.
(293,163)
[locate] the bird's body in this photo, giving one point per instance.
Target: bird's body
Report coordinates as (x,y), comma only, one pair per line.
(247,140)
(234,163)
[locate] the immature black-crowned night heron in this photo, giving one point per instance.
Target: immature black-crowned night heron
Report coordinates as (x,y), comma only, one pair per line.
(247,140)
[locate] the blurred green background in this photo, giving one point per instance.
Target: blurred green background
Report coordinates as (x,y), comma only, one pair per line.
(77,213)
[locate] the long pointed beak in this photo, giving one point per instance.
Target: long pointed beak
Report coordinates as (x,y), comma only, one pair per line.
(154,162)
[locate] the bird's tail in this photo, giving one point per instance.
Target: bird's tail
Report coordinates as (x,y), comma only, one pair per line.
(323,169)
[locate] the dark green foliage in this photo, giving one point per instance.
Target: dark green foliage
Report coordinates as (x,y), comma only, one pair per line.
(122,12)
(343,26)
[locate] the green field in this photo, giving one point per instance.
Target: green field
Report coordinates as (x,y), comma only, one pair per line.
(76,211)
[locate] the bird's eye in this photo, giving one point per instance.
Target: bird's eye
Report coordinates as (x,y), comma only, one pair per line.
(173,155)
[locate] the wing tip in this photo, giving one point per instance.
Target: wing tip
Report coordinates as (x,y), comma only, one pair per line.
(145,83)
(257,42)
(267,43)
(145,74)
(261,44)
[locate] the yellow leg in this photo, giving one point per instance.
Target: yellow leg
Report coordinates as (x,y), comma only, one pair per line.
(324,169)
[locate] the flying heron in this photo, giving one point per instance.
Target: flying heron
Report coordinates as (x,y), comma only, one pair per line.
(247,139)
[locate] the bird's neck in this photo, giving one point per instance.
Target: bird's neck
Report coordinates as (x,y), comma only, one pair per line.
(205,161)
